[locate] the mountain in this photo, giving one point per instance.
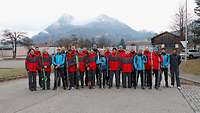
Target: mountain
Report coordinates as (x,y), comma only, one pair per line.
(101,26)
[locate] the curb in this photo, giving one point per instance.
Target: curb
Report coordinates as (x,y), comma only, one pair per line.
(12,78)
(190,81)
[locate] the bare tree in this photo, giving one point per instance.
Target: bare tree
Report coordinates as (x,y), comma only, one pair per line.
(103,42)
(27,42)
(13,37)
(197,9)
(63,42)
(178,23)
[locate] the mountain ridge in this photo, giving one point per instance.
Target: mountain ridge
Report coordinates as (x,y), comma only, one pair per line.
(101,26)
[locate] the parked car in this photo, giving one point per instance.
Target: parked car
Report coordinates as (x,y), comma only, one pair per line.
(192,53)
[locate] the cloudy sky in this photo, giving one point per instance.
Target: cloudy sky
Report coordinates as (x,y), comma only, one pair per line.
(34,15)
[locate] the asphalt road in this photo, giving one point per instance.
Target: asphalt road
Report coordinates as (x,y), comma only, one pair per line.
(16,98)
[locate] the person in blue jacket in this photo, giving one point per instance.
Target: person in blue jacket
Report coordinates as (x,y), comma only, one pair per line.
(164,66)
(139,64)
(103,69)
(58,62)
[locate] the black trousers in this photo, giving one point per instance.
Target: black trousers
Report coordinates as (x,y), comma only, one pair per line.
(91,78)
(32,80)
(59,73)
(124,79)
(157,78)
(46,84)
(77,79)
(165,71)
(175,74)
(102,78)
(72,81)
(82,75)
(97,74)
(40,75)
(140,73)
(86,77)
(117,78)
(149,77)
(134,78)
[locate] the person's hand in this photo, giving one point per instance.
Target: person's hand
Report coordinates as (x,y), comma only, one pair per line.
(45,66)
(88,68)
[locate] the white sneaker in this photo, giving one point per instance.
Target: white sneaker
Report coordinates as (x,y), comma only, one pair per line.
(171,86)
(179,88)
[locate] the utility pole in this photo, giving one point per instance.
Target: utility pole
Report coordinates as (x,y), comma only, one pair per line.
(186,30)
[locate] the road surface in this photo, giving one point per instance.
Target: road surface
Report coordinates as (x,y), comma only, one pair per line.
(16,98)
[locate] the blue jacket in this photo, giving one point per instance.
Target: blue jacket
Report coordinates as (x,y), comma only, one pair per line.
(139,62)
(166,60)
(103,63)
(58,59)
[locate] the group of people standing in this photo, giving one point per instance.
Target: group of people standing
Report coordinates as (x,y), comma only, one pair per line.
(79,68)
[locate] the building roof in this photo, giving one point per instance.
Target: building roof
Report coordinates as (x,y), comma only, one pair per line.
(166,32)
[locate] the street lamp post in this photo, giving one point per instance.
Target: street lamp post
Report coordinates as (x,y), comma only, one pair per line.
(186,31)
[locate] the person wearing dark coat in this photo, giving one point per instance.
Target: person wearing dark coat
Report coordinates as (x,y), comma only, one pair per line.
(175,61)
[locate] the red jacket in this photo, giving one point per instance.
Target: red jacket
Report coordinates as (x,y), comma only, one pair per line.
(127,63)
(82,61)
(114,62)
(156,60)
(38,54)
(31,63)
(91,61)
(121,53)
(148,64)
(46,60)
(107,53)
(71,60)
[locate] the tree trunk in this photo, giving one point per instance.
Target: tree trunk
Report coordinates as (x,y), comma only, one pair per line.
(15,48)
(12,48)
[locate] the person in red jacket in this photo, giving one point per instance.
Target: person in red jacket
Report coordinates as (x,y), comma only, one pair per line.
(120,52)
(106,54)
(156,65)
(127,68)
(114,66)
(39,70)
(85,51)
(82,67)
(46,62)
(133,73)
(148,75)
(31,65)
(71,63)
(91,67)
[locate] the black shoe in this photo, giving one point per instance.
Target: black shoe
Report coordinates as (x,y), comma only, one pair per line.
(43,88)
(69,88)
(48,88)
(82,86)
(143,87)
(77,87)
(64,88)
(150,87)
(54,88)
(156,87)
(31,89)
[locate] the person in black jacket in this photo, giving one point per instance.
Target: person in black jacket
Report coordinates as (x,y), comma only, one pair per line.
(175,61)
